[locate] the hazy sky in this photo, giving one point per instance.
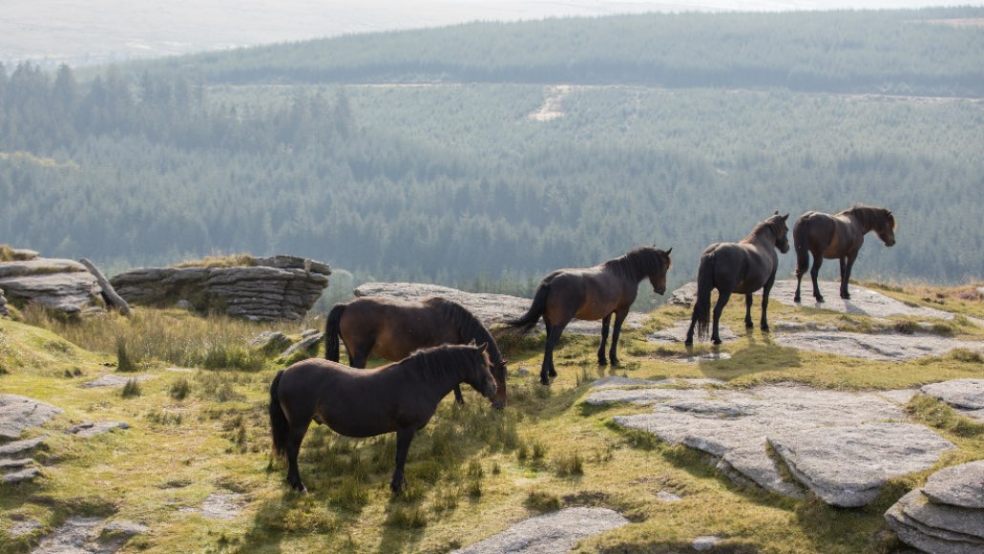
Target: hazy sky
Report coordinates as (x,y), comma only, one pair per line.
(93,31)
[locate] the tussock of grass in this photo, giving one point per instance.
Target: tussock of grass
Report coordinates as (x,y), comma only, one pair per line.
(123,361)
(131,389)
(230,260)
(180,389)
(940,415)
(540,501)
(568,465)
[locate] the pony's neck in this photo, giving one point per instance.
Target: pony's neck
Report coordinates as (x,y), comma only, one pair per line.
(631,267)
(443,371)
(865,217)
(762,233)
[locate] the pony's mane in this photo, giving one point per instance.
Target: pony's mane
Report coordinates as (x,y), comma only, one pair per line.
(638,262)
(438,361)
(467,324)
(872,217)
(769,224)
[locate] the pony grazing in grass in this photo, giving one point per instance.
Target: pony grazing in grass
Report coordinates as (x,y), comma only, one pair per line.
(837,236)
(593,293)
(400,397)
(743,267)
(392,329)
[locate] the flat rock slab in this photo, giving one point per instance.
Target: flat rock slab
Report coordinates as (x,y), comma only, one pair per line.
(847,466)
(490,309)
(936,528)
(961,486)
(553,533)
(25,527)
(705,542)
(864,301)
(881,346)
(967,394)
(677,332)
(88,535)
(114,380)
(617,381)
(20,447)
(19,413)
(92,429)
(735,426)
(26,474)
(220,505)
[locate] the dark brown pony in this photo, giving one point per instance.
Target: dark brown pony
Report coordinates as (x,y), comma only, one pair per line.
(399,397)
(391,329)
(743,267)
(837,236)
(591,294)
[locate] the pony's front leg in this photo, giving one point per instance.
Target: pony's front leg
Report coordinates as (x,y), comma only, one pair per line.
(553,337)
(604,339)
(403,438)
(766,289)
(847,266)
(616,333)
(748,311)
(458,399)
(815,274)
(723,296)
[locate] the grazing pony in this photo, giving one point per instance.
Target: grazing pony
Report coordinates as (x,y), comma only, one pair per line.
(837,236)
(392,329)
(743,267)
(399,397)
(591,294)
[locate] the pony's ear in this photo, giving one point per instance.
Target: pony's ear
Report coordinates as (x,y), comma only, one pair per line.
(668,251)
(785,217)
(775,212)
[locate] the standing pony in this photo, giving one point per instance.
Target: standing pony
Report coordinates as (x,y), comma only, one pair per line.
(743,267)
(591,294)
(400,397)
(837,236)
(392,329)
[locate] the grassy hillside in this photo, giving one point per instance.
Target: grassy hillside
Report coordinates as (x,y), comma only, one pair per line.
(471,473)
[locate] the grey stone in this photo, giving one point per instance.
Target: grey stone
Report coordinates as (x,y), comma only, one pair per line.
(735,426)
(962,521)
(664,496)
(930,538)
(115,380)
(75,536)
(25,527)
(3,304)
(847,466)
(269,289)
(124,528)
(220,505)
(26,474)
(961,485)
(18,413)
(864,301)
(91,429)
(490,309)
(967,394)
(15,463)
(270,341)
(677,332)
(71,293)
(557,532)
(306,344)
(684,296)
(20,447)
(880,346)
(39,266)
(706,542)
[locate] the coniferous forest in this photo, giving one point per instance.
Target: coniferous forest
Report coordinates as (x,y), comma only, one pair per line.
(413,155)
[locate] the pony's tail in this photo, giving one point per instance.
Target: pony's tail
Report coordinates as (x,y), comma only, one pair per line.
(279,426)
(705,283)
(800,241)
(332,330)
(532,316)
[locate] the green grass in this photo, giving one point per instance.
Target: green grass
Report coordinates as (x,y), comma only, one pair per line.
(472,470)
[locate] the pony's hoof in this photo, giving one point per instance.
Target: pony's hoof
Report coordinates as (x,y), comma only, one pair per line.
(553,373)
(845,296)
(689,343)
(819,299)
(544,381)
(616,363)
(717,342)
(797,299)
(749,324)
(602,362)
(765,329)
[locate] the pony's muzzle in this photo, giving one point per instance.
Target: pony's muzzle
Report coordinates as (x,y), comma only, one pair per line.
(660,291)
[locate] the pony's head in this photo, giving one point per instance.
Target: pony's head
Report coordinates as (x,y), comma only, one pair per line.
(886,228)
(653,263)
(780,230)
(480,373)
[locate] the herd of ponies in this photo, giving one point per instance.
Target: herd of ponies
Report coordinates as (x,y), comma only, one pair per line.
(436,345)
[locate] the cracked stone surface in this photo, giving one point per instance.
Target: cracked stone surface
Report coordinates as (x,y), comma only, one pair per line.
(89,535)
(557,532)
(961,486)
(114,380)
(677,332)
(19,413)
(220,505)
(876,346)
(490,309)
(21,528)
(836,439)
(965,395)
(19,447)
(864,301)
(92,429)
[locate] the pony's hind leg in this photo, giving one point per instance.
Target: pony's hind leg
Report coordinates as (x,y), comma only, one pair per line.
(604,339)
(815,274)
(403,438)
(766,289)
(748,311)
(723,296)
(553,337)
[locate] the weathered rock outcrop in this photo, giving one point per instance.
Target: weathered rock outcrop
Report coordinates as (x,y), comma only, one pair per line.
(490,309)
(3,304)
(63,286)
(18,413)
(271,289)
(554,532)
(843,446)
(947,515)
(965,395)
